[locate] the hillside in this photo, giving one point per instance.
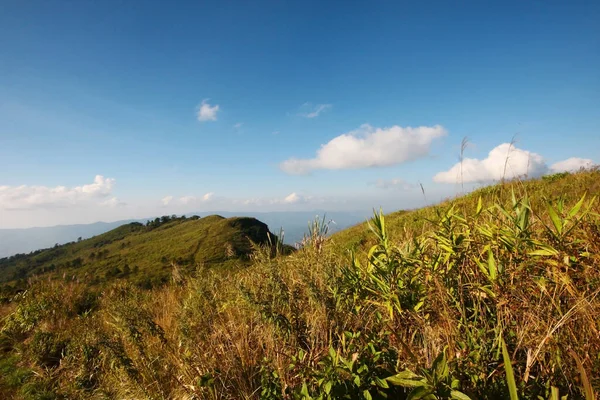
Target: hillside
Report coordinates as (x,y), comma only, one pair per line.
(404,223)
(143,253)
(492,295)
(15,241)
(293,223)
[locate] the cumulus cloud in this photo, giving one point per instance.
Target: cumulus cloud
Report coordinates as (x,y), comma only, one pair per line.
(396,183)
(166,200)
(312,111)
(369,147)
(32,197)
(206,112)
(572,164)
(208,196)
(506,162)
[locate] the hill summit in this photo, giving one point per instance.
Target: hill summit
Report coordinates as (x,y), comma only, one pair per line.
(144,253)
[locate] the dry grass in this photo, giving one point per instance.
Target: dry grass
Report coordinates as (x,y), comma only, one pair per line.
(423,309)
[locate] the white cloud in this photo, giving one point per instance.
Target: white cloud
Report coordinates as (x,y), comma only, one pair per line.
(396,183)
(187,199)
(292,198)
(369,147)
(206,112)
(166,200)
(572,164)
(312,111)
(506,162)
(208,196)
(238,125)
(32,197)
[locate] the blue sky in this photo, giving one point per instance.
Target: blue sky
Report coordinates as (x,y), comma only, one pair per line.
(114,89)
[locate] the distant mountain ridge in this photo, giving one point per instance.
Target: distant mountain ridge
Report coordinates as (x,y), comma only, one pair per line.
(294,224)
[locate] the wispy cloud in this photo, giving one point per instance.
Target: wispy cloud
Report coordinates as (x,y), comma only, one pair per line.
(166,200)
(396,183)
(238,125)
(31,197)
(506,161)
(187,199)
(308,110)
(206,112)
(369,147)
(190,200)
(290,199)
(113,202)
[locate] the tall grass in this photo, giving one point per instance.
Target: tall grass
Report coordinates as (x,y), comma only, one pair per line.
(483,297)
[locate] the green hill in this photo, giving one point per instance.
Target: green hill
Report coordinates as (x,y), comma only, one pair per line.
(143,253)
(404,224)
(492,295)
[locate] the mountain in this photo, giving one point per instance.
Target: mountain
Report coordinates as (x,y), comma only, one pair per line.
(144,253)
(294,224)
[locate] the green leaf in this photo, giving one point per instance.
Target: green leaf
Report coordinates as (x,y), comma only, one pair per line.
(440,366)
(406,379)
(419,305)
(576,207)
(487,291)
(304,392)
(482,268)
(327,387)
(556,221)
(367,395)
(332,354)
(458,395)
(510,376)
(381,383)
(493,270)
(420,393)
(479,207)
(544,251)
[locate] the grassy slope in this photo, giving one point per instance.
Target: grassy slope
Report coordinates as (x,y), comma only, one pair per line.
(434,297)
(146,254)
(406,223)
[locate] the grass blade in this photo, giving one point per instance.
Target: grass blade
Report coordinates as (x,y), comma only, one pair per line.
(510,376)
(587,386)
